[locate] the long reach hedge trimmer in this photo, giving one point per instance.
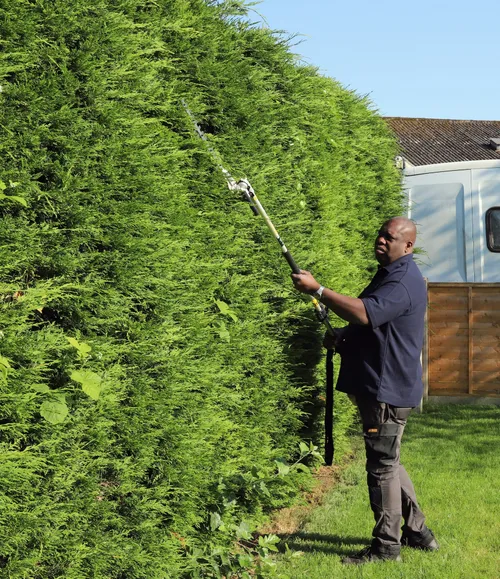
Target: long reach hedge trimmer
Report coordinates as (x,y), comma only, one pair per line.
(248,194)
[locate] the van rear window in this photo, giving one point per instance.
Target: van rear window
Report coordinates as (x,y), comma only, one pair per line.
(493,228)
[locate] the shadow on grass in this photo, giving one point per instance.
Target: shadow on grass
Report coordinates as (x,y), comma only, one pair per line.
(462,437)
(462,412)
(476,426)
(317,543)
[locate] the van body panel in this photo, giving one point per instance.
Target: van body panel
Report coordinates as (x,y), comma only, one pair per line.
(486,188)
(449,203)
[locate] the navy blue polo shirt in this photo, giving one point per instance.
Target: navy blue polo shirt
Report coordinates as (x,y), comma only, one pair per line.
(383,358)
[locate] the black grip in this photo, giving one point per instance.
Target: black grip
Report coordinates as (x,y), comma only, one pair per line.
(291,262)
(248,198)
(329,444)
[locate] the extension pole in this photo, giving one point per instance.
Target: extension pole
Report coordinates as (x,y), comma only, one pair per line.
(244,187)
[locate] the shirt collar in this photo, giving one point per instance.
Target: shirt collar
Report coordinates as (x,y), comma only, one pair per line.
(395,264)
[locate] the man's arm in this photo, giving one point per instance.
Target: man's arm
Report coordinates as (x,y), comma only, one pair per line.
(350,309)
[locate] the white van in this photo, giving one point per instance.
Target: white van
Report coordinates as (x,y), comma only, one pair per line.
(457,210)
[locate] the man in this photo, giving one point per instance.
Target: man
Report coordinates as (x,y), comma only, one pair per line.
(380,352)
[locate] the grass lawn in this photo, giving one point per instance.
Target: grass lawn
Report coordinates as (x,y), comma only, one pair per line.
(453,457)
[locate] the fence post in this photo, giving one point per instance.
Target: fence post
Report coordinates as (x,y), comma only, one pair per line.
(424,356)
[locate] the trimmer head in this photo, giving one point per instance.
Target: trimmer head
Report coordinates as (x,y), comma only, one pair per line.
(247,193)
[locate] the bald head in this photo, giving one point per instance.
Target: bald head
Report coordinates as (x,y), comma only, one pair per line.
(395,238)
(406,227)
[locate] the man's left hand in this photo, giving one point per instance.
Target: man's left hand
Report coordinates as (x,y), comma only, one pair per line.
(304,282)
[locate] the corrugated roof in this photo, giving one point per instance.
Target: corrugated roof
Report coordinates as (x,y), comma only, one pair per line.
(429,141)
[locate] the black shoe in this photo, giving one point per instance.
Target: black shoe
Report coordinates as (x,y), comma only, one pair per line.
(367,555)
(424,540)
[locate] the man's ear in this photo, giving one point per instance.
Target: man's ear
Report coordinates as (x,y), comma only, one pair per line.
(409,245)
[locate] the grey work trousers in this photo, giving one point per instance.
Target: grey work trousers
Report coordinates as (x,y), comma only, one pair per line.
(392,496)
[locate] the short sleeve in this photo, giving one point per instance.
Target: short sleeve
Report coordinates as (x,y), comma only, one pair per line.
(386,303)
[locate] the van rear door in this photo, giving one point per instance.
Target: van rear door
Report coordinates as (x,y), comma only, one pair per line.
(440,203)
(485,185)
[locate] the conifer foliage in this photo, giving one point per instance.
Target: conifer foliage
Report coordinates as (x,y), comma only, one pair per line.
(156,367)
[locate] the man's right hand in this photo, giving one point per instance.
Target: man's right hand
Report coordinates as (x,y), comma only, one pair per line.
(330,342)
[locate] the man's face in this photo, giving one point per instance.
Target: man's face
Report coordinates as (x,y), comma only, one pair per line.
(390,243)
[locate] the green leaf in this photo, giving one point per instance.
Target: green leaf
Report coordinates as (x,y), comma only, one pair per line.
(82,348)
(283,466)
(255,473)
(223,307)
(4,362)
(269,542)
(229,500)
(20,200)
(4,366)
(226,310)
(54,411)
(42,388)
(215,521)
(264,489)
(245,561)
(303,467)
(73,342)
(224,333)
(244,530)
(318,455)
(90,381)
(304,449)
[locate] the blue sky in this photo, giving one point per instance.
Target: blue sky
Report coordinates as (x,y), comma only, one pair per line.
(435,59)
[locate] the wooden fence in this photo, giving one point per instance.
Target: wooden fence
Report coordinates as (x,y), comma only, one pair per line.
(462,349)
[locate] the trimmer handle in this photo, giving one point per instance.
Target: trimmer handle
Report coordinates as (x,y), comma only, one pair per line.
(248,198)
(295,268)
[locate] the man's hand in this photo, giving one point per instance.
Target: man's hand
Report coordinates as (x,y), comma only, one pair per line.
(304,282)
(349,309)
(332,341)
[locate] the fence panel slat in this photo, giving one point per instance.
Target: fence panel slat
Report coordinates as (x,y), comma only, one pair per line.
(463,339)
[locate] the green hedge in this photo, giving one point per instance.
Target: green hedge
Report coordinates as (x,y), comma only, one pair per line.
(155,361)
